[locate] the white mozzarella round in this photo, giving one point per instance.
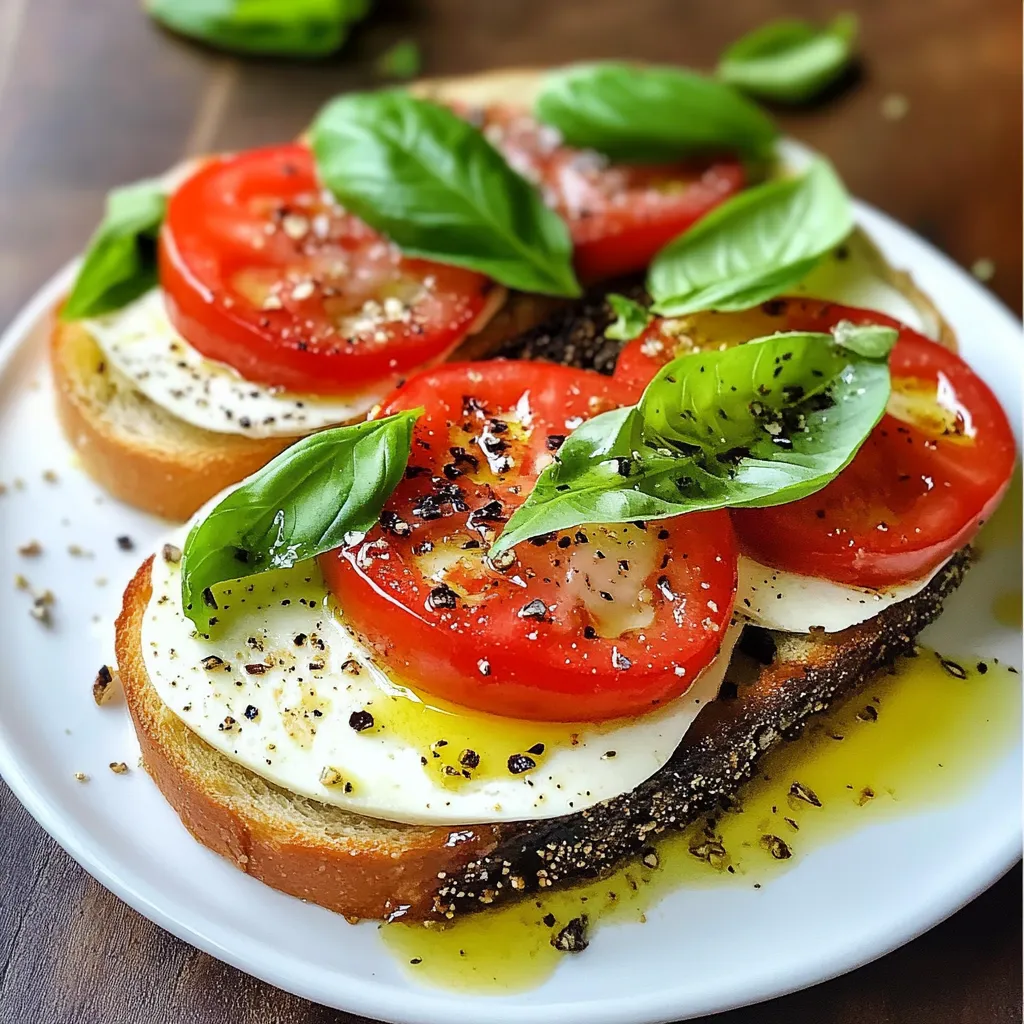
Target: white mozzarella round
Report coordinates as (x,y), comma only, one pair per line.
(855,274)
(140,341)
(282,688)
(793,603)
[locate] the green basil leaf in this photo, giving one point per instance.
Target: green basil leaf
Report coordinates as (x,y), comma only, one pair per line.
(434,185)
(403,60)
(120,263)
(759,424)
(788,60)
(323,492)
(631,318)
(637,113)
(754,246)
(296,28)
(873,341)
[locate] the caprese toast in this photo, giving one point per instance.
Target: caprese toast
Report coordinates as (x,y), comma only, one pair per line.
(538,610)
(245,300)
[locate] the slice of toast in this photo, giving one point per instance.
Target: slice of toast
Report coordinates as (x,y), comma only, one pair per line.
(362,867)
(366,868)
(148,457)
(140,452)
(153,460)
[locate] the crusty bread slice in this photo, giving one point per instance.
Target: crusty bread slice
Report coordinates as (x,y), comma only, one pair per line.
(362,867)
(149,458)
(140,452)
(366,868)
(357,866)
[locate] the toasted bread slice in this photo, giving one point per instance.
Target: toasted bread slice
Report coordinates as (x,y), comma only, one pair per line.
(367,868)
(357,866)
(362,867)
(148,457)
(140,452)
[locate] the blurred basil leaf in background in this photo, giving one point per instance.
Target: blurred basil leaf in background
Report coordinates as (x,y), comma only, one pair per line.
(284,28)
(403,60)
(646,113)
(790,61)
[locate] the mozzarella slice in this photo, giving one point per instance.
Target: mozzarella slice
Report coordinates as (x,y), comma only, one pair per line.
(856,274)
(282,688)
(140,341)
(793,603)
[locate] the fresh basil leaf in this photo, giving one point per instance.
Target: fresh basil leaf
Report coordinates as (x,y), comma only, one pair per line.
(754,246)
(286,28)
(763,423)
(636,113)
(631,318)
(873,341)
(790,61)
(120,263)
(433,184)
(323,492)
(403,60)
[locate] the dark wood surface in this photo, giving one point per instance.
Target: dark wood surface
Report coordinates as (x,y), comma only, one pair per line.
(92,95)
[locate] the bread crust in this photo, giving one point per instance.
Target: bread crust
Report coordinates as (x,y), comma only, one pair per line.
(147,458)
(363,868)
(348,864)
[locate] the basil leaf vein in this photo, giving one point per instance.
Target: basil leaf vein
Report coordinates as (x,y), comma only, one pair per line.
(631,318)
(120,262)
(790,61)
(762,423)
(323,492)
(433,184)
(638,113)
(298,28)
(754,246)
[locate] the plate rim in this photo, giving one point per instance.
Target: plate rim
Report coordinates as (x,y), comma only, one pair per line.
(375,999)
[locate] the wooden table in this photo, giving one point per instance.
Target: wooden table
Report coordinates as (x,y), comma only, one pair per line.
(92,95)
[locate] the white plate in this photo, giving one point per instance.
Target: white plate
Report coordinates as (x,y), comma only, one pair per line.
(881,885)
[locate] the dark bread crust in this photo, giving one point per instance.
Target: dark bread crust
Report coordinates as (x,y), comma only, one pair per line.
(719,753)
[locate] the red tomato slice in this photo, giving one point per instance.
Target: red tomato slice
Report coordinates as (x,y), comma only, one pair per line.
(619,215)
(931,472)
(667,338)
(264,272)
(589,624)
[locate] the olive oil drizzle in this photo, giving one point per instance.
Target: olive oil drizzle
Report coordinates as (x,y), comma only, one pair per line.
(916,737)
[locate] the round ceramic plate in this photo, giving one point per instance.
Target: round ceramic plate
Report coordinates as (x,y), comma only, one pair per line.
(882,884)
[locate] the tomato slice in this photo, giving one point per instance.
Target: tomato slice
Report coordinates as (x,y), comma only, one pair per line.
(594,623)
(262,270)
(931,472)
(619,215)
(667,338)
